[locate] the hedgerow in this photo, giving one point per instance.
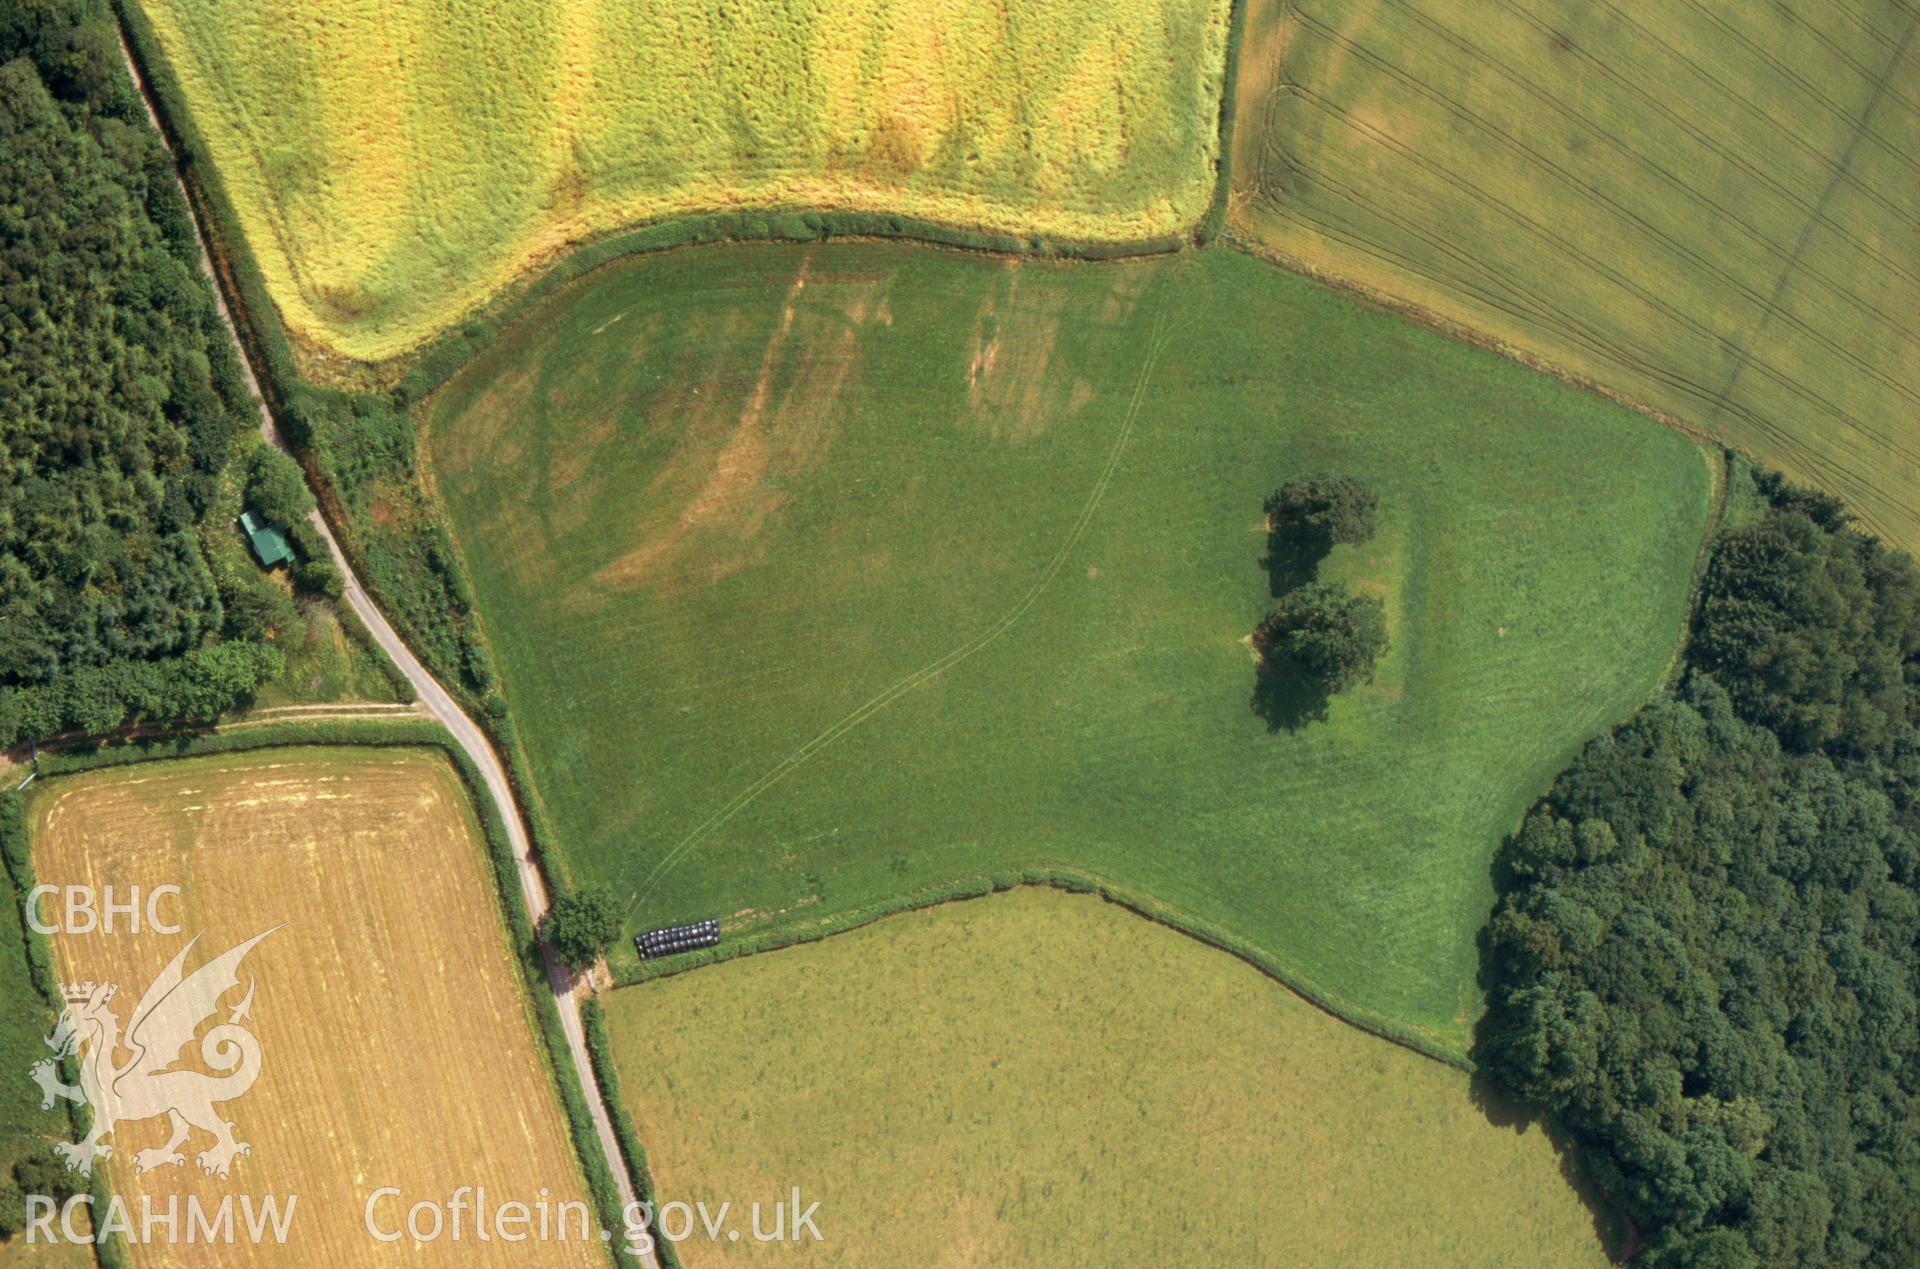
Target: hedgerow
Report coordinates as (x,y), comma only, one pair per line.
(639,1174)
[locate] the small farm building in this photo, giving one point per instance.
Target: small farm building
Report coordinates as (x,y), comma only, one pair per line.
(268,543)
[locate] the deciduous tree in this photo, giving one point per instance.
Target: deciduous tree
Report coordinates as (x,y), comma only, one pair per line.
(581,925)
(1333,509)
(1322,632)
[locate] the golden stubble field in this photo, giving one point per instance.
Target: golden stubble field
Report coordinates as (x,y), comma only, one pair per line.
(396,1044)
(1706,207)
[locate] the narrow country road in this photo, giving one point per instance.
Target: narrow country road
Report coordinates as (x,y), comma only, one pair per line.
(439,704)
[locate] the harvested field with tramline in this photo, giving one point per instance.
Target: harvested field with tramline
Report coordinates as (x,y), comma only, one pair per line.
(1705,206)
(396,1043)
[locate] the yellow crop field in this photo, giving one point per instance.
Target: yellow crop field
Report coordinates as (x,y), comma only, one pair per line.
(1040,1078)
(395,163)
(394,1040)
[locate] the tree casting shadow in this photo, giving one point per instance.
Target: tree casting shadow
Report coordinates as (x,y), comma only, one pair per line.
(1293,557)
(1504,1109)
(1286,699)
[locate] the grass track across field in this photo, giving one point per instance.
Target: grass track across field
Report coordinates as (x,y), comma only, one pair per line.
(714,501)
(1038,1078)
(396,165)
(392,972)
(1704,206)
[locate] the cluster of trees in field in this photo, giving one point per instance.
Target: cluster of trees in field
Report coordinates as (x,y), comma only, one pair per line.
(1318,640)
(125,410)
(1705,952)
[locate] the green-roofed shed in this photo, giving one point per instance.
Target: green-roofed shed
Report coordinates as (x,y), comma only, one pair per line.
(268,543)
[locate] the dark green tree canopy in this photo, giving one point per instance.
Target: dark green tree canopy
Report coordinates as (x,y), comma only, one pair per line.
(277,488)
(122,399)
(1321,632)
(1813,630)
(582,925)
(113,432)
(1333,509)
(1306,518)
(1705,952)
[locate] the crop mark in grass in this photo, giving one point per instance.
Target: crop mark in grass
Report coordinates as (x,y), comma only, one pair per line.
(1163,333)
(667,722)
(1008,386)
(785,423)
(1806,233)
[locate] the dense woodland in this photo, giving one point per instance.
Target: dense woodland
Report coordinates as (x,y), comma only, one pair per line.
(121,593)
(1704,955)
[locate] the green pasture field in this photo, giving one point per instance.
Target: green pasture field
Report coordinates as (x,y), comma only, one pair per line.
(820,576)
(1041,1078)
(1706,205)
(395,165)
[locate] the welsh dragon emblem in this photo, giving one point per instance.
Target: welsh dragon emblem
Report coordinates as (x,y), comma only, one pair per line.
(164,1023)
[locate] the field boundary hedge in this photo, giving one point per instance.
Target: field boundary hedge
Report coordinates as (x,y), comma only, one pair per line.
(110,1252)
(639,1172)
(1073,881)
(1214,223)
(404,733)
